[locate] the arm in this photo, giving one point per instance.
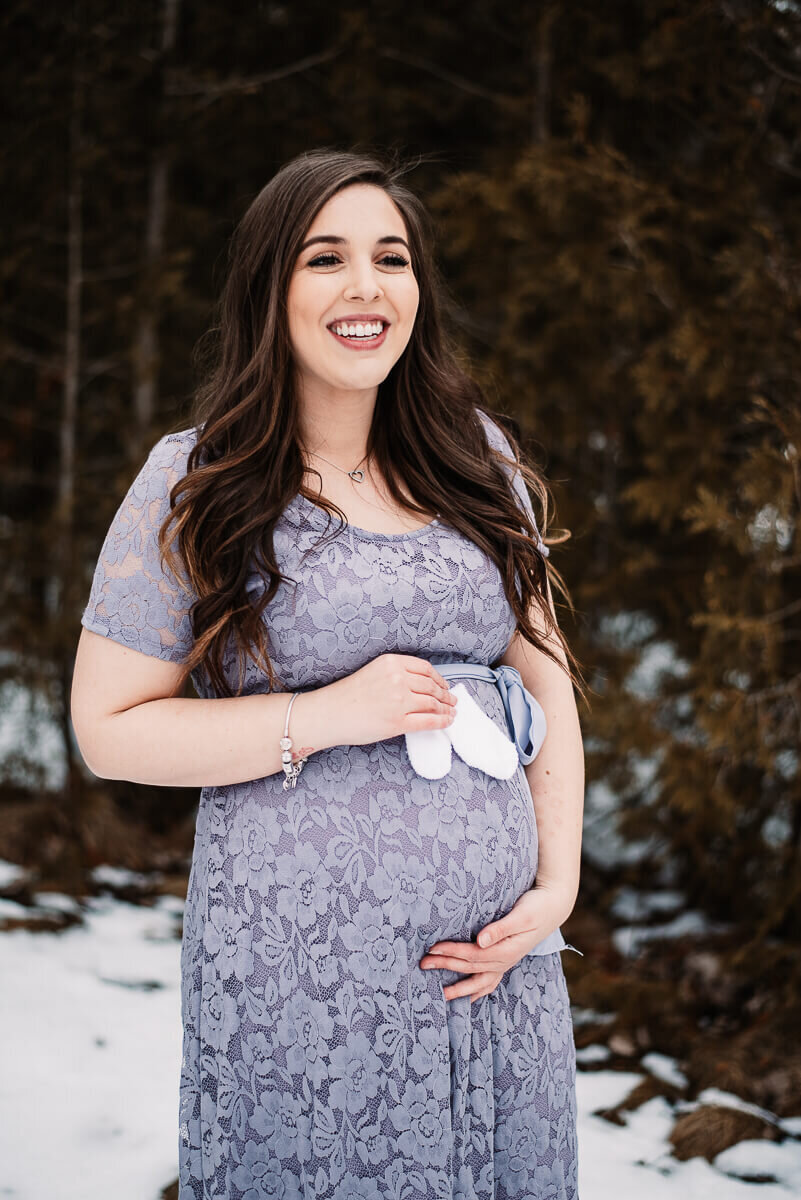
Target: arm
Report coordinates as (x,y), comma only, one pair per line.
(556,780)
(556,776)
(137,632)
(120,705)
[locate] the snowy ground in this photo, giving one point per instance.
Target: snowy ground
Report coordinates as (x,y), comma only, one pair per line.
(91,1036)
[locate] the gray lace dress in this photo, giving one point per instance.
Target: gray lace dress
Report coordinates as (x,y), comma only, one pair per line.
(319,1060)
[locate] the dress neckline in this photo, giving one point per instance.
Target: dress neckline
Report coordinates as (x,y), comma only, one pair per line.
(321,518)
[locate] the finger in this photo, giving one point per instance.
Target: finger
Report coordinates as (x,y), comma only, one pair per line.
(494,934)
(457,948)
(419,721)
(463,950)
(431,702)
(485,991)
(452,963)
(435,675)
(505,928)
(469,987)
(499,930)
(428,680)
(461,956)
(421,666)
(423,686)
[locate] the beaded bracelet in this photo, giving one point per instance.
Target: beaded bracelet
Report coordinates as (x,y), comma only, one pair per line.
(291,770)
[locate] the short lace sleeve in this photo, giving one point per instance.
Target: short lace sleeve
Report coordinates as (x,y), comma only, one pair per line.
(134,598)
(497,438)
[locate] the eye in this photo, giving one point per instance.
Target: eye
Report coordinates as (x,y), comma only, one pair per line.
(326,260)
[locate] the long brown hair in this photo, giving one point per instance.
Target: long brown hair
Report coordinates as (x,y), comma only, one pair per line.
(246,464)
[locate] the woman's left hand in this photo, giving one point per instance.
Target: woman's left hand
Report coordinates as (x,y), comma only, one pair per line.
(502,944)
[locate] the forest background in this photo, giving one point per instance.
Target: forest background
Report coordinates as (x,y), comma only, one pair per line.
(617,196)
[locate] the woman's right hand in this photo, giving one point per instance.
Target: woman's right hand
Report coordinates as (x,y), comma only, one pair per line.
(391,695)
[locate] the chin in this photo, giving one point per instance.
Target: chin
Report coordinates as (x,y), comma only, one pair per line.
(358,380)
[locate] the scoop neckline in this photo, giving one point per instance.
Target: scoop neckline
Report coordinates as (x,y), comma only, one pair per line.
(322,518)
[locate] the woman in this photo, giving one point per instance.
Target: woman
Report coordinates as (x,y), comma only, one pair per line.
(344,1033)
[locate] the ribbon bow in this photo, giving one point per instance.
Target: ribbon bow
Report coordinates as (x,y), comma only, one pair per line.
(524,714)
(474,735)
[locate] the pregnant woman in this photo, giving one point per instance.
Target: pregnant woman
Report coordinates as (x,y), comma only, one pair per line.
(342,553)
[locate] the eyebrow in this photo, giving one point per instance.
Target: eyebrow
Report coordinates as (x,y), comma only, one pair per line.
(340,241)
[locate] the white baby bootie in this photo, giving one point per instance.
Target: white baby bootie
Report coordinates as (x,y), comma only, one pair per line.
(477,739)
(472,734)
(430,752)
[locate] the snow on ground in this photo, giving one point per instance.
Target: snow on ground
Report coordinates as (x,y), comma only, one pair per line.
(91,1047)
(91,1053)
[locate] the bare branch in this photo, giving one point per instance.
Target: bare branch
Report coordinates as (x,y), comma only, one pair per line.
(180,83)
(466,85)
(788,76)
(12,350)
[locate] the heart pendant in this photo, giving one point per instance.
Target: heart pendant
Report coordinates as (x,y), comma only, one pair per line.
(357,476)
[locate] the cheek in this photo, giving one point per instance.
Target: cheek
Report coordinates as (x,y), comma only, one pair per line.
(412,300)
(303,321)
(408,301)
(307,298)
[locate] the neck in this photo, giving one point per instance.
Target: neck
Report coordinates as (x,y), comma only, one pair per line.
(336,422)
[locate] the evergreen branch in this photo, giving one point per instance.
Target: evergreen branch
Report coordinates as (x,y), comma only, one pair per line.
(632,245)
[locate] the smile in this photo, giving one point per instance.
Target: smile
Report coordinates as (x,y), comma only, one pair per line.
(361,343)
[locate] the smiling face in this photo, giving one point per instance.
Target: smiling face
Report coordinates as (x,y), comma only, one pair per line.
(361,268)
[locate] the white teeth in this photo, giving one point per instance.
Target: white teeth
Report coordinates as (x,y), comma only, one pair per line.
(369,330)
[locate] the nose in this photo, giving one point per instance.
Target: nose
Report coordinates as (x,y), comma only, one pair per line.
(363,283)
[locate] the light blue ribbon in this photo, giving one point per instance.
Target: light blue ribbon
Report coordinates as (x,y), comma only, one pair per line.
(527,728)
(525,718)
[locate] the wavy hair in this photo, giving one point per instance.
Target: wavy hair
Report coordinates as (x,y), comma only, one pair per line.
(247,463)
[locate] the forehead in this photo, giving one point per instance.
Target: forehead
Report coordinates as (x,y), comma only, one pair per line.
(359,210)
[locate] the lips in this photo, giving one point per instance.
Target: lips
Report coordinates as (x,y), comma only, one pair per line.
(358,318)
(362,343)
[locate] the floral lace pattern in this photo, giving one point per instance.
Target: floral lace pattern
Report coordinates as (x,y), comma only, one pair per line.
(319,1060)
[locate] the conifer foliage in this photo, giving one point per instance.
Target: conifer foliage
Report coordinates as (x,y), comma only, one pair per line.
(616,194)
(633,277)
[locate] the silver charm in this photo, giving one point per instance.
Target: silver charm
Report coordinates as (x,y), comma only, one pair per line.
(356,475)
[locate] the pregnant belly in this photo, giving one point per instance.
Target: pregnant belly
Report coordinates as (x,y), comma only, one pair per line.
(363,851)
